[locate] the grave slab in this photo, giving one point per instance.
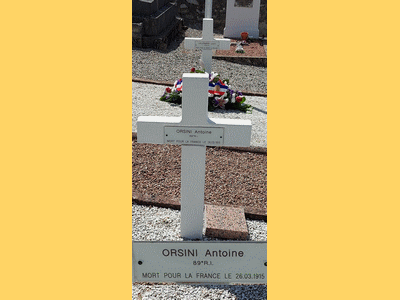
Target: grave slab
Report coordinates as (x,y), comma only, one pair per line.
(155,23)
(255,53)
(225,222)
(160,41)
(147,7)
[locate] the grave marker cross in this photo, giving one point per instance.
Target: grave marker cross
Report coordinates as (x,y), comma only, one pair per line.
(194,131)
(207,43)
(208,9)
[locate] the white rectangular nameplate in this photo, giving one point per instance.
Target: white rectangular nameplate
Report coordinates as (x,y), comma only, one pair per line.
(193,135)
(206,45)
(200,262)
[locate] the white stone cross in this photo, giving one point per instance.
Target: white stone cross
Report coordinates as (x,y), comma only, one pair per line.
(207,43)
(194,131)
(208,9)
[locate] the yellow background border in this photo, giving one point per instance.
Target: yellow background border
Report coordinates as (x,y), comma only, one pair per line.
(66,150)
(333,155)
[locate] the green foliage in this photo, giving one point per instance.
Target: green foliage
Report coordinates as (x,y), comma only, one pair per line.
(173,97)
(233,104)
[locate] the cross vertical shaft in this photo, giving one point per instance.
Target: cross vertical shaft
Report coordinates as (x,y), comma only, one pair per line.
(206,55)
(194,112)
(207,43)
(195,99)
(192,190)
(208,9)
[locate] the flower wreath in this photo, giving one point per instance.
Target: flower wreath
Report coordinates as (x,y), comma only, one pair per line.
(220,95)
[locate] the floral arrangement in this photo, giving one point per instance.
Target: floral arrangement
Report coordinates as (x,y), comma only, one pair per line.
(220,95)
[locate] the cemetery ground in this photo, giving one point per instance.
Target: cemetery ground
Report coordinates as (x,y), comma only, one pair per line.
(235,178)
(168,66)
(232,177)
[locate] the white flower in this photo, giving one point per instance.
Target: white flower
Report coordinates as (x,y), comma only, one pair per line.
(213,75)
(221,102)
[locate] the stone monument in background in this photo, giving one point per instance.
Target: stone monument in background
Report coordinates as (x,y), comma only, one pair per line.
(242,16)
(154,23)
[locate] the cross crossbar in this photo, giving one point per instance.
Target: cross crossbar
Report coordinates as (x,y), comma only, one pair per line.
(207,43)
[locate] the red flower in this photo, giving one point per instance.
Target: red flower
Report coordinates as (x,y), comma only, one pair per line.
(239,99)
(192,70)
(168,90)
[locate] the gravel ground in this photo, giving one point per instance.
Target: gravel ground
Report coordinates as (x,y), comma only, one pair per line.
(231,178)
(170,65)
(194,292)
(145,102)
(163,224)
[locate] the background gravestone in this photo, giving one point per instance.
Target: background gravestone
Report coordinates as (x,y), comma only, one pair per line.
(154,23)
(242,16)
(192,14)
